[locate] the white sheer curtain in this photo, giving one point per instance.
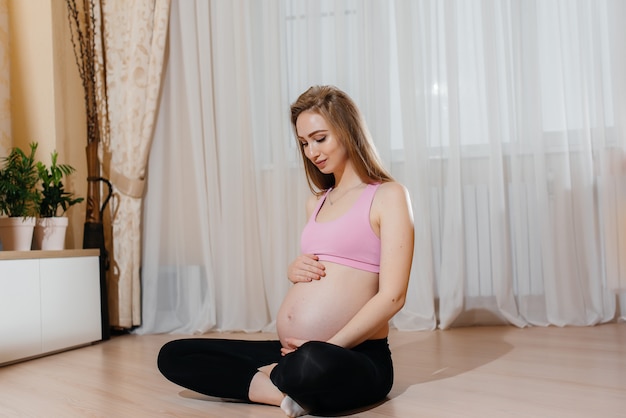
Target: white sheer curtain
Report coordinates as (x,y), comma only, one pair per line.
(504,119)
(215,247)
(519,108)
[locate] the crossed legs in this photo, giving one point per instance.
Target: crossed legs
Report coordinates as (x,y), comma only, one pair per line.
(319,377)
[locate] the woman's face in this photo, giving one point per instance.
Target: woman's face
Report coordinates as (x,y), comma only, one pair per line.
(319,143)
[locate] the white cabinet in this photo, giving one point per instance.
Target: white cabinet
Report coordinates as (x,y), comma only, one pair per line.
(49,301)
(20,310)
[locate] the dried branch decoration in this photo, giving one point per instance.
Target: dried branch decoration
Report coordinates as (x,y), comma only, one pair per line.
(83,35)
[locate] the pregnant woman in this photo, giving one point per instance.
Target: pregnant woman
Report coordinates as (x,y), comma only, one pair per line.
(349,281)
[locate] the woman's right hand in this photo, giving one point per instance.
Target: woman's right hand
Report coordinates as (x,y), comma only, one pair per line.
(305,268)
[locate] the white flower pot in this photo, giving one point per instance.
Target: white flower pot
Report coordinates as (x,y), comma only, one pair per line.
(50,233)
(16,234)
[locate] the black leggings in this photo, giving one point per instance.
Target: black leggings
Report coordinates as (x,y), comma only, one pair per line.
(320,377)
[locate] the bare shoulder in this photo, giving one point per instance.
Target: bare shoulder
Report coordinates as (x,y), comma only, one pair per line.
(392,193)
(393,188)
(392,200)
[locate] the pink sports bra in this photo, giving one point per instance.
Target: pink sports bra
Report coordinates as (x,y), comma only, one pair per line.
(347,240)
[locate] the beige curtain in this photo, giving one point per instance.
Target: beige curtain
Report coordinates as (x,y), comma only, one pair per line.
(135,36)
(5,82)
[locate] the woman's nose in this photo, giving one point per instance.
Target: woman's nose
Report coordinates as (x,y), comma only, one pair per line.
(313,150)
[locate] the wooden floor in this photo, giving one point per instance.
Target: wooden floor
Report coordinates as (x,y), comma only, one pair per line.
(466,372)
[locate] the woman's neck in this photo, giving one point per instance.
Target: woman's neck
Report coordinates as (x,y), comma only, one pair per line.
(347,178)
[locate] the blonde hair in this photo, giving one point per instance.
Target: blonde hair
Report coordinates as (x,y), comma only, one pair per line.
(347,122)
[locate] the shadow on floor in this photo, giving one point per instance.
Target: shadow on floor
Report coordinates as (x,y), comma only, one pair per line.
(435,355)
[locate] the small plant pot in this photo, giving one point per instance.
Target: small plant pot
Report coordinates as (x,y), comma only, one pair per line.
(16,234)
(50,233)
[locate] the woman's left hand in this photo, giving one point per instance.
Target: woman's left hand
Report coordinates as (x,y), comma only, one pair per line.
(292,345)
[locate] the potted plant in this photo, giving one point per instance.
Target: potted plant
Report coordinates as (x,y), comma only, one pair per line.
(19,199)
(54,201)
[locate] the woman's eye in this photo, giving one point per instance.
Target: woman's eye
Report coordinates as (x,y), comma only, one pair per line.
(321,139)
(304,144)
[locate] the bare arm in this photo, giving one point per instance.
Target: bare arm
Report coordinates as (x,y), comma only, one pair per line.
(392,208)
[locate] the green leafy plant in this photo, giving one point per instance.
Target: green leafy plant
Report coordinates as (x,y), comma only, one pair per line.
(55,200)
(19,196)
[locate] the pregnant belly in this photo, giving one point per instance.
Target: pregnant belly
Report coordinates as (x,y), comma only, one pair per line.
(317,310)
